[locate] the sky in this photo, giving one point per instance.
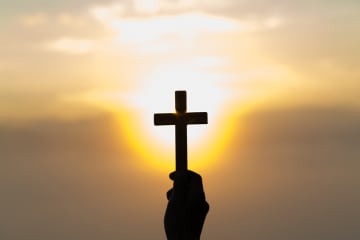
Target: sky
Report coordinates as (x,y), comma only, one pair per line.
(81,80)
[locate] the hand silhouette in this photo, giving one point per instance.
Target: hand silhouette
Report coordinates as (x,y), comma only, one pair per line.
(187,208)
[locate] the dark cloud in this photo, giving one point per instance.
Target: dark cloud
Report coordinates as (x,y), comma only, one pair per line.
(74,180)
(292,174)
(313,125)
(21,6)
(289,174)
(318,39)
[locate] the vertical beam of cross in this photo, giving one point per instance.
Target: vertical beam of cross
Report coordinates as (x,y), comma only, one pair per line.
(180,119)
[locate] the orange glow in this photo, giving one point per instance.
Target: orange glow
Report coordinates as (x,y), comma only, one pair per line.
(157,144)
(169,55)
(161,156)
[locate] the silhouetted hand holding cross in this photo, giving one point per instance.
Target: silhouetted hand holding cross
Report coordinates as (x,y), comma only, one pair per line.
(187,208)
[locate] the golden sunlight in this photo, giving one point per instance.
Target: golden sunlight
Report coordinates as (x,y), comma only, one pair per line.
(156,94)
(156,79)
(157,144)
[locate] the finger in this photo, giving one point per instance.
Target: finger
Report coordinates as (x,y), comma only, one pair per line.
(206,208)
(196,191)
(172,175)
(181,185)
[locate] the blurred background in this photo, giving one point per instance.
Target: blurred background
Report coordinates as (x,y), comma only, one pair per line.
(81,80)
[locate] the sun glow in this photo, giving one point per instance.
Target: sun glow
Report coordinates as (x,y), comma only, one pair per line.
(157,143)
(169,55)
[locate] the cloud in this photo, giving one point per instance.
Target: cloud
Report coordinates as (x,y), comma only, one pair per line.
(163,31)
(53,172)
(147,6)
(113,15)
(67,19)
(160,33)
(183,26)
(273,22)
(34,20)
(292,173)
(107,13)
(70,45)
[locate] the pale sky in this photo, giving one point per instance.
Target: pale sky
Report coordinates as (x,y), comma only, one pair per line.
(52,50)
(80,81)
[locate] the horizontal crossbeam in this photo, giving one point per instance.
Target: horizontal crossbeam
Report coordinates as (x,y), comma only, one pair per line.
(175,119)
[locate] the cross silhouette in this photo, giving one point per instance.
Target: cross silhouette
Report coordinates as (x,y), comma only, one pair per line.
(180,119)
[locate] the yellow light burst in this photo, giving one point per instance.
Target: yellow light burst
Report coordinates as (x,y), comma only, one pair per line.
(157,144)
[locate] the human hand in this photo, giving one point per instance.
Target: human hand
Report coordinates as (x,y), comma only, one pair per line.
(187,208)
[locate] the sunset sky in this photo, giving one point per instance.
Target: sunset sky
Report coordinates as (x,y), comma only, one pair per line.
(81,80)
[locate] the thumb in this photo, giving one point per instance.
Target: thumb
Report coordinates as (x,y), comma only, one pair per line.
(196,190)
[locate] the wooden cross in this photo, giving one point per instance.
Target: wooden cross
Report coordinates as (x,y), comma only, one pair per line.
(180,119)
